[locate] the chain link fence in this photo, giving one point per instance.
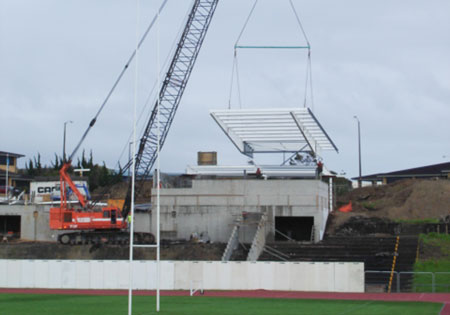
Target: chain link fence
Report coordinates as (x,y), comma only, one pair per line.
(407,281)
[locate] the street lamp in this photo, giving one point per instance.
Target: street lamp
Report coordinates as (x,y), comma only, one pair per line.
(359,149)
(64,139)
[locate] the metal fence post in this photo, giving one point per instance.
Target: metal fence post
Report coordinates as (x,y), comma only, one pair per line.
(398,281)
(433,289)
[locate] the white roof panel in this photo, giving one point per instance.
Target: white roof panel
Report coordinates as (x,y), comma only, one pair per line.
(273,130)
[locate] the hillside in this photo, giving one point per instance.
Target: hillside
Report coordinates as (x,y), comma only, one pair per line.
(403,201)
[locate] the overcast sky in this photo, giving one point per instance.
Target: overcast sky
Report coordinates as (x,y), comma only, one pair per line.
(385,61)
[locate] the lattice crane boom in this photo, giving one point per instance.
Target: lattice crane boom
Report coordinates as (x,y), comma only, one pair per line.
(172,90)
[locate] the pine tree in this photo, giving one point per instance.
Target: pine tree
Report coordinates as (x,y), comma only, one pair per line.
(91,161)
(56,165)
(118,177)
(83,160)
(37,163)
(30,168)
(104,175)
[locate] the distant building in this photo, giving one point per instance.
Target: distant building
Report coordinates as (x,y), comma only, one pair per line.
(441,170)
(9,170)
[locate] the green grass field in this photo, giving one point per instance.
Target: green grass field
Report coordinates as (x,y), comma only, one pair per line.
(46,304)
(441,245)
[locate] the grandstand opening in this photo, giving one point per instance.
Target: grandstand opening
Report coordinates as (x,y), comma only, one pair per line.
(296,228)
(10,225)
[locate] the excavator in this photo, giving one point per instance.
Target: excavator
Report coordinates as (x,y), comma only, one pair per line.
(93,225)
(86,223)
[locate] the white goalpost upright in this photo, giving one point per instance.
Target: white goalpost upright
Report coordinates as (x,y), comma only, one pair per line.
(158,164)
(133,168)
(185,54)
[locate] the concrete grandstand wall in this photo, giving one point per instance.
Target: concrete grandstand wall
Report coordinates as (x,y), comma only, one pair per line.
(179,275)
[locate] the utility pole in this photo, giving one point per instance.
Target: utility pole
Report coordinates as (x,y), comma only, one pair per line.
(64,140)
(359,151)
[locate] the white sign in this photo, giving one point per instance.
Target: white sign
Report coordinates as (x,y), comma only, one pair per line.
(53,188)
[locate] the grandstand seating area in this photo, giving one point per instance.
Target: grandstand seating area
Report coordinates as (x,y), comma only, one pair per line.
(376,252)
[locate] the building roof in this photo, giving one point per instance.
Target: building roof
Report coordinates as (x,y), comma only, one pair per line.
(273,130)
(57,178)
(4,153)
(435,170)
(270,171)
(286,171)
(15,176)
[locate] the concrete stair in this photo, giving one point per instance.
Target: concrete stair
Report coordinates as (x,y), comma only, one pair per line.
(240,253)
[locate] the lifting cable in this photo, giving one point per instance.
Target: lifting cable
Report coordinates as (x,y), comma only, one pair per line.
(235,68)
(92,123)
(235,62)
(308,66)
(143,113)
(150,96)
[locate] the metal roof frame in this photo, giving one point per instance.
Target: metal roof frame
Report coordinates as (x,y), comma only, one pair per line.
(273,130)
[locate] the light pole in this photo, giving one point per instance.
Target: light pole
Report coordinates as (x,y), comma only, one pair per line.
(359,149)
(64,140)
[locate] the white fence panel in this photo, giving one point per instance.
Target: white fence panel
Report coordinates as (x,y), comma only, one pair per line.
(68,274)
(347,276)
(55,274)
(110,272)
(140,275)
(14,272)
(266,271)
(96,272)
(253,275)
(211,274)
(224,276)
(83,272)
(41,273)
(238,279)
(281,274)
(167,275)
(324,270)
(180,275)
(3,274)
(27,276)
(297,278)
(195,273)
(122,274)
(150,275)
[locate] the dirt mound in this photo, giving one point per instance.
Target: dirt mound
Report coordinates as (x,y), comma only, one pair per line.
(403,200)
(119,190)
(359,225)
(406,200)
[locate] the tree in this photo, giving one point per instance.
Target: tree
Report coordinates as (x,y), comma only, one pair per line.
(90,164)
(37,163)
(30,168)
(104,179)
(56,165)
(83,160)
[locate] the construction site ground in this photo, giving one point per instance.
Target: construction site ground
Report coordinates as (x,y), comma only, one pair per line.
(48,250)
(406,202)
(408,207)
